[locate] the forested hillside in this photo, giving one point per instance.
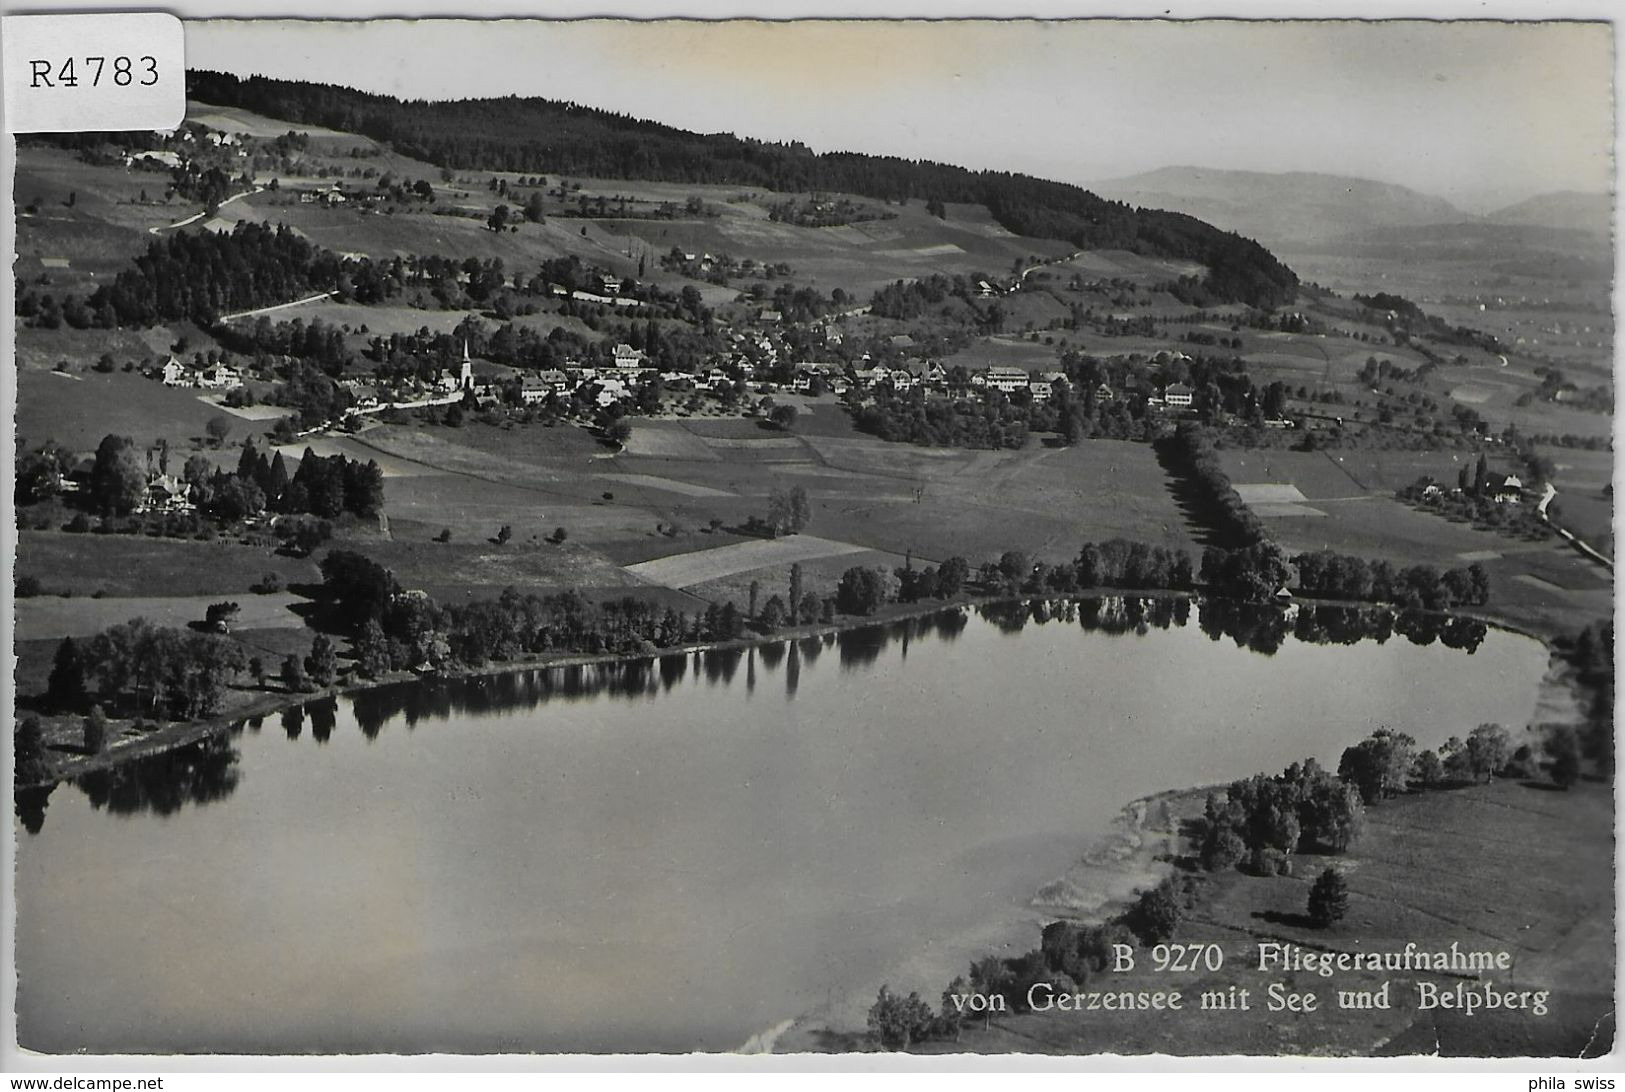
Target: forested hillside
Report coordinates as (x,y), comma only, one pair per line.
(541,135)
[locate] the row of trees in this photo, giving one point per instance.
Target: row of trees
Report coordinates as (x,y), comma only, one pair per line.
(1233,522)
(1342,576)
(147,670)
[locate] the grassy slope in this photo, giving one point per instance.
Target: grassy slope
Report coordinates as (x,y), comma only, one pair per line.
(1432,868)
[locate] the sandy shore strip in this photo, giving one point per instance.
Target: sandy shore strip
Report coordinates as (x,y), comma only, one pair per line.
(1134,853)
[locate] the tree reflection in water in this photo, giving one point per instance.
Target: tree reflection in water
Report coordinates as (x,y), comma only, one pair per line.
(202,772)
(197,773)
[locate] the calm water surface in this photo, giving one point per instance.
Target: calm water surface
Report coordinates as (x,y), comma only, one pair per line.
(672,854)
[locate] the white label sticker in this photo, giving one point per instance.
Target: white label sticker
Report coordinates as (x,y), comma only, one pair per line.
(88,73)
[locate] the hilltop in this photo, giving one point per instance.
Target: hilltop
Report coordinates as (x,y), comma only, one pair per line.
(1283,209)
(534,134)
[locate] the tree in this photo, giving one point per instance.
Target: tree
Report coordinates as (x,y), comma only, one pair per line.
(293,675)
(1156,913)
(118,479)
(559,535)
(1428,770)
(861,591)
(28,749)
(1015,567)
(498,220)
(218,427)
(504,534)
(95,729)
(1563,749)
(795,586)
(783,416)
(773,614)
(899,1022)
(66,688)
(788,512)
(219,616)
(322,664)
(372,649)
(1487,750)
(1328,899)
(1379,766)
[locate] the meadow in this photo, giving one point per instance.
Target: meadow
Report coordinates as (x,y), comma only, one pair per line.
(1420,874)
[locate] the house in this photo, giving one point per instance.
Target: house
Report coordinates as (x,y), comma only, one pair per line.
(985,290)
(627,357)
(1042,388)
(177,374)
(770,316)
(1510,491)
(1178,395)
(1008,380)
(1103,393)
(220,377)
(166,493)
(534,389)
(612,285)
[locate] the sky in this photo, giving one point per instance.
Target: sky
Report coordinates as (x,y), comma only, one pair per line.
(1481,113)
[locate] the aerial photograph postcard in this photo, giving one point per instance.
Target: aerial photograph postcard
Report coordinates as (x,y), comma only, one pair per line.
(1076,537)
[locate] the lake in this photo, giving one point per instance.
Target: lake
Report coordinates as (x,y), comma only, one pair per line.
(676,853)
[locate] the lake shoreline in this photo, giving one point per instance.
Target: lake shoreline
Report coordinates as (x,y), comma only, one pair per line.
(1132,854)
(1136,853)
(169,736)
(172,735)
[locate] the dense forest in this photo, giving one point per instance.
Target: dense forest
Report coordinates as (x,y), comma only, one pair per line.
(541,135)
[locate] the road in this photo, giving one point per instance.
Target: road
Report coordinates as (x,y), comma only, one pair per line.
(274,307)
(196,216)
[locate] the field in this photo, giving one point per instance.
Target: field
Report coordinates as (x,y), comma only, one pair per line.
(1348,506)
(47,617)
(1584,481)
(1430,869)
(132,565)
(78,409)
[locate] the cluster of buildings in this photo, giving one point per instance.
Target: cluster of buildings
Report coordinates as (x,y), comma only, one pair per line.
(209,377)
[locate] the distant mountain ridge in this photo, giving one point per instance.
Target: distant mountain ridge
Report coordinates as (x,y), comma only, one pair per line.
(549,137)
(1565,210)
(1283,210)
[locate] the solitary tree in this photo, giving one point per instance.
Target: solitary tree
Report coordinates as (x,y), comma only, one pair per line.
(95,731)
(783,416)
(1563,748)
(218,428)
(66,688)
(1328,899)
(29,748)
(1487,750)
(118,480)
(322,664)
(293,674)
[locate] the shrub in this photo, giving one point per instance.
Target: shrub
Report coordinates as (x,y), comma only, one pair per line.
(1328,899)
(268,584)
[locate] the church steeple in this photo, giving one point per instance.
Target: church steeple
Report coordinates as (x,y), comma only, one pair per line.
(466,381)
